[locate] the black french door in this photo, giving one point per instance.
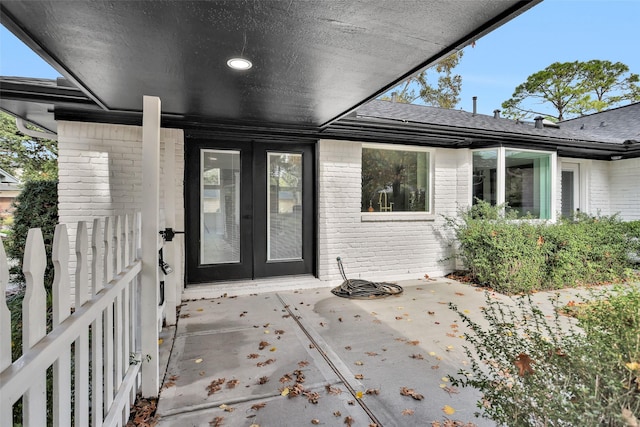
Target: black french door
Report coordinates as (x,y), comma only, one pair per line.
(249,209)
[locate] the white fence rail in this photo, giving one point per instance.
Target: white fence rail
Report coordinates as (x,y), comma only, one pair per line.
(93,349)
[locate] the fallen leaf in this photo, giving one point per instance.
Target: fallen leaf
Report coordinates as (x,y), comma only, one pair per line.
(263,380)
(285,392)
(358,362)
(333,390)
(398,317)
(232,383)
(337,414)
(263,345)
(351,402)
(408,412)
(448,410)
(285,378)
(414,342)
(303,363)
(359,376)
(279,332)
(417,356)
(359,395)
(460,294)
(348,421)
(227,408)
(258,406)
(348,348)
(200,309)
(265,363)
(523,363)
(272,349)
(371,353)
(198,360)
(215,385)
(375,391)
(160,341)
(315,421)
(253,356)
(432,313)
(411,392)
(216,422)
(632,366)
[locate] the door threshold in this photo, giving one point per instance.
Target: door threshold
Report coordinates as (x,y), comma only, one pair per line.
(255,286)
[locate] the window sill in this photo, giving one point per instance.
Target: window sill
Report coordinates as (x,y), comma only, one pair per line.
(396,216)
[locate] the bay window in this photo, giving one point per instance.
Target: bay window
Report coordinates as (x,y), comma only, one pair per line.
(521,179)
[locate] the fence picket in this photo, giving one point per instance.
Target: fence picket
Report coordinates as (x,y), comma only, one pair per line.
(81,404)
(118,314)
(34,323)
(126,308)
(61,310)
(5,334)
(97,410)
(108,320)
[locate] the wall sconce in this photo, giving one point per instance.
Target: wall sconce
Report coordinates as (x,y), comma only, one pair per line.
(616,157)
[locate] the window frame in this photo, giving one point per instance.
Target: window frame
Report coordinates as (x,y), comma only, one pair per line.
(403,215)
(501,176)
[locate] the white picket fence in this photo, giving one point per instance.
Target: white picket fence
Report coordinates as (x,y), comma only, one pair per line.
(102,331)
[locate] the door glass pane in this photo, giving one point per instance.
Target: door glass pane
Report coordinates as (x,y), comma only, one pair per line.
(567,194)
(219,206)
(284,206)
(485,176)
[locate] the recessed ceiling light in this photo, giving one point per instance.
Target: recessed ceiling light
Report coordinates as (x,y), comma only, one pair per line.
(239,63)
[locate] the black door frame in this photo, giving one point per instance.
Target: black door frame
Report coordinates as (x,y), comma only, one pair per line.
(253,199)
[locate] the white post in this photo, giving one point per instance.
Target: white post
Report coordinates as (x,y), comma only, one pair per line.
(150,229)
(170,250)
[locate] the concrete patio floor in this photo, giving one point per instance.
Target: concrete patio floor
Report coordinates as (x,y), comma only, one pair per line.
(255,347)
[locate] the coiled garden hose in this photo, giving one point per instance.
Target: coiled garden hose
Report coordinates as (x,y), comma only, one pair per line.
(364,289)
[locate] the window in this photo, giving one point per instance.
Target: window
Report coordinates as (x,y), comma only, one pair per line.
(395,179)
(520,179)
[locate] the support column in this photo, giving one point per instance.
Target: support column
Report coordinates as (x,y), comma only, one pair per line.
(170,248)
(150,228)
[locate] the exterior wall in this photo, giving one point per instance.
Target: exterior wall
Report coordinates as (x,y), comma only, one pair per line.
(100,174)
(383,249)
(599,188)
(624,184)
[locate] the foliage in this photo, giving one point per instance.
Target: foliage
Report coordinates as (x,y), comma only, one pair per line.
(522,256)
(538,370)
(36,207)
(574,88)
(445,94)
(34,158)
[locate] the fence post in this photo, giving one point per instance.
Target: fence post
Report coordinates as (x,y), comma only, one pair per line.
(150,229)
(61,310)
(34,323)
(6,411)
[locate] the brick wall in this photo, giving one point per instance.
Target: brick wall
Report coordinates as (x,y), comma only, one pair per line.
(382,249)
(100,173)
(599,188)
(624,195)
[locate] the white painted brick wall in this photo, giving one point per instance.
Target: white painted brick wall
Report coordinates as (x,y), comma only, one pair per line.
(383,249)
(599,188)
(100,174)
(624,195)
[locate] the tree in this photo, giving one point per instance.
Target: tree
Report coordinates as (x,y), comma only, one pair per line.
(573,88)
(444,95)
(34,158)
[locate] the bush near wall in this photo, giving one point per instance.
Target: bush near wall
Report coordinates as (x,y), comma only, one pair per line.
(519,256)
(35,207)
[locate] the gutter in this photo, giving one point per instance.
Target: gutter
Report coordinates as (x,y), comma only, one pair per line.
(20,124)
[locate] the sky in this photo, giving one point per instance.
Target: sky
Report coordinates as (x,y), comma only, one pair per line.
(553,31)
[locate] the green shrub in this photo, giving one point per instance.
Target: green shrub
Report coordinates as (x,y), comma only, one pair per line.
(36,207)
(538,370)
(517,256)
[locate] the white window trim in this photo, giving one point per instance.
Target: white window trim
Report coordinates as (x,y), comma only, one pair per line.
(404,216)
(501,176)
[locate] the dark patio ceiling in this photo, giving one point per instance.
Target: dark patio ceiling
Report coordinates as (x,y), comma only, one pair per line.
(313,60)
